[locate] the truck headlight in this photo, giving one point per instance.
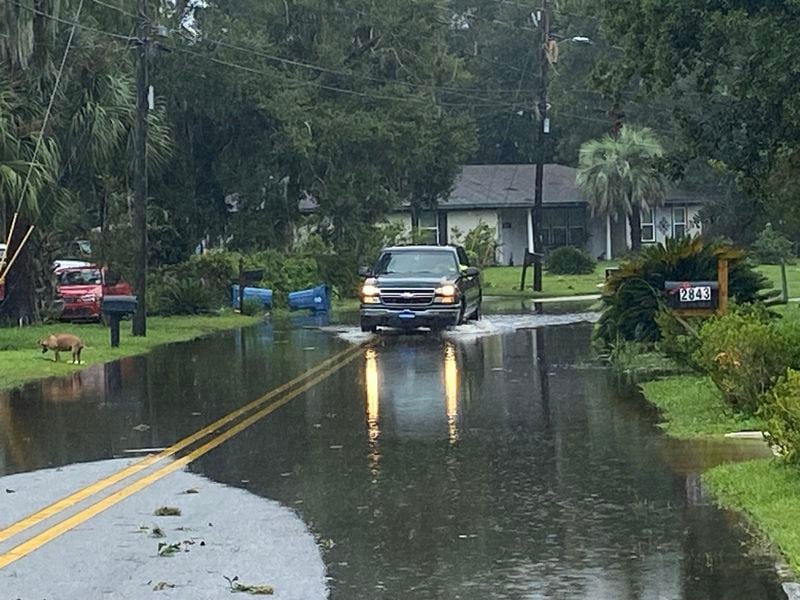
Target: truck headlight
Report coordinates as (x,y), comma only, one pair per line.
(446,294)
(370,294)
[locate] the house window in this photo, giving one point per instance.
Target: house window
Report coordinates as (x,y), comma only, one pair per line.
(428,227)
(648,226)
(563,226)
(559,237)
(678,222)
(577,236)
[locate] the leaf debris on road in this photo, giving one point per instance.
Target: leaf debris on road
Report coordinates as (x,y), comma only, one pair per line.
(162,585)
(157,532)
(165,549)
(255,590)
(167,511)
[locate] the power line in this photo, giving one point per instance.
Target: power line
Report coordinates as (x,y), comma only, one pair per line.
(304,82)
(327,70)
(487,102)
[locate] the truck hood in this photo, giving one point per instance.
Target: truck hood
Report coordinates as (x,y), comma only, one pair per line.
(408,280)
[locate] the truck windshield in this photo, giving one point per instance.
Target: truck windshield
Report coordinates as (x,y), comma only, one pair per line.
(437,263)
(82,277)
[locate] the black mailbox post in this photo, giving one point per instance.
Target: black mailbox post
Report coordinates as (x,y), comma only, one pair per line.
(116,307)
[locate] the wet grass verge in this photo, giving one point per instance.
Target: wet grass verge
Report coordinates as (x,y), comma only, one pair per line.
(21,360)
(692,408)
(768,493)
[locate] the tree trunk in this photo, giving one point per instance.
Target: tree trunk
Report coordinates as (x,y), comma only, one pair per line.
(635,220)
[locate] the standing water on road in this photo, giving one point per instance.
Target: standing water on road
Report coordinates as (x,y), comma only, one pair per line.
(434,467)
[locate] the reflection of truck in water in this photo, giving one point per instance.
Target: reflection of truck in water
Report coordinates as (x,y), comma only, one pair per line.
(82,290)
(432,411)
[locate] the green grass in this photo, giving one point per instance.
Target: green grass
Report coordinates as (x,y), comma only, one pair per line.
(21,360)
(504,281)
(692,407)
(773,273)
(768,492)
(641,360)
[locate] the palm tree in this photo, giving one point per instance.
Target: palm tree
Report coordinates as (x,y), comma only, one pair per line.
(619,178)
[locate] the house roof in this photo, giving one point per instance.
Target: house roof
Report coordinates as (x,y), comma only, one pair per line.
(509,186)
(512,186)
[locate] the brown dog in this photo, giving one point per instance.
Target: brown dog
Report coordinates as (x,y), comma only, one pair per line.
(63,342)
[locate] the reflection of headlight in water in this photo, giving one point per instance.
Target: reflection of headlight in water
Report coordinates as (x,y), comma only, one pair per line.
(451,391)
(373,399)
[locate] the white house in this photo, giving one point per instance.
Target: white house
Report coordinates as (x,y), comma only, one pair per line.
(502,197)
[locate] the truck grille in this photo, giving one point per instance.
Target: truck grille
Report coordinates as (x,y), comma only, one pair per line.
(407,297)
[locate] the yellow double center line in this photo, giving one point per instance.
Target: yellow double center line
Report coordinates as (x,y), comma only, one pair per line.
(313,377)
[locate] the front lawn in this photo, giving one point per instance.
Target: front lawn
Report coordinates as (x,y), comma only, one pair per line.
(504,281)
(21,359)
(692,407)
(773,273)
(768,492)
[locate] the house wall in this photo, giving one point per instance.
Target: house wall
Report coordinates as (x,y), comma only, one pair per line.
(402,219)
(467,220)
(665,222)
(596,243)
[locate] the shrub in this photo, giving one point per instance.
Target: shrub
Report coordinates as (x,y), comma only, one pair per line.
(772,247)
(214,271)
(481,245)
(744,354)
(676,341)
(781,410)
(253,307)
(180,297)
(570,261)
(634,294)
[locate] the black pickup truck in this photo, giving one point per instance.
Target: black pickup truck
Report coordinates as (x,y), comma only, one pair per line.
(420,286)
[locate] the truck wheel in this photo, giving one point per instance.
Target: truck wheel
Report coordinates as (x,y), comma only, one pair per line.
(476,315)
(462,316)
(367,328)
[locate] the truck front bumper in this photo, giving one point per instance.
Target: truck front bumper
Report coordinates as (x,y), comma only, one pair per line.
(433,318)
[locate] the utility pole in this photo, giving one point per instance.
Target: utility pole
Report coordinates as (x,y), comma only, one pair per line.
(140,174)
(542,131)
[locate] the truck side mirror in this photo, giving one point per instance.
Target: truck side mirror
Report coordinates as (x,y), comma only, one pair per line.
(364,272)
(472,272)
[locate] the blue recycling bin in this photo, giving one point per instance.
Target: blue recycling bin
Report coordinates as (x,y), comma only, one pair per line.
(317,299)
(263,296)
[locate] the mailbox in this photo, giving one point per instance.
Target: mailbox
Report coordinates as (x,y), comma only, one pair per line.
(116,307)
(119,305)
(692,295)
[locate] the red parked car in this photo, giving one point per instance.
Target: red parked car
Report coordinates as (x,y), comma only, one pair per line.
(82,289)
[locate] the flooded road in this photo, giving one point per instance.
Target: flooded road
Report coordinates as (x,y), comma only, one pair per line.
(496,464)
